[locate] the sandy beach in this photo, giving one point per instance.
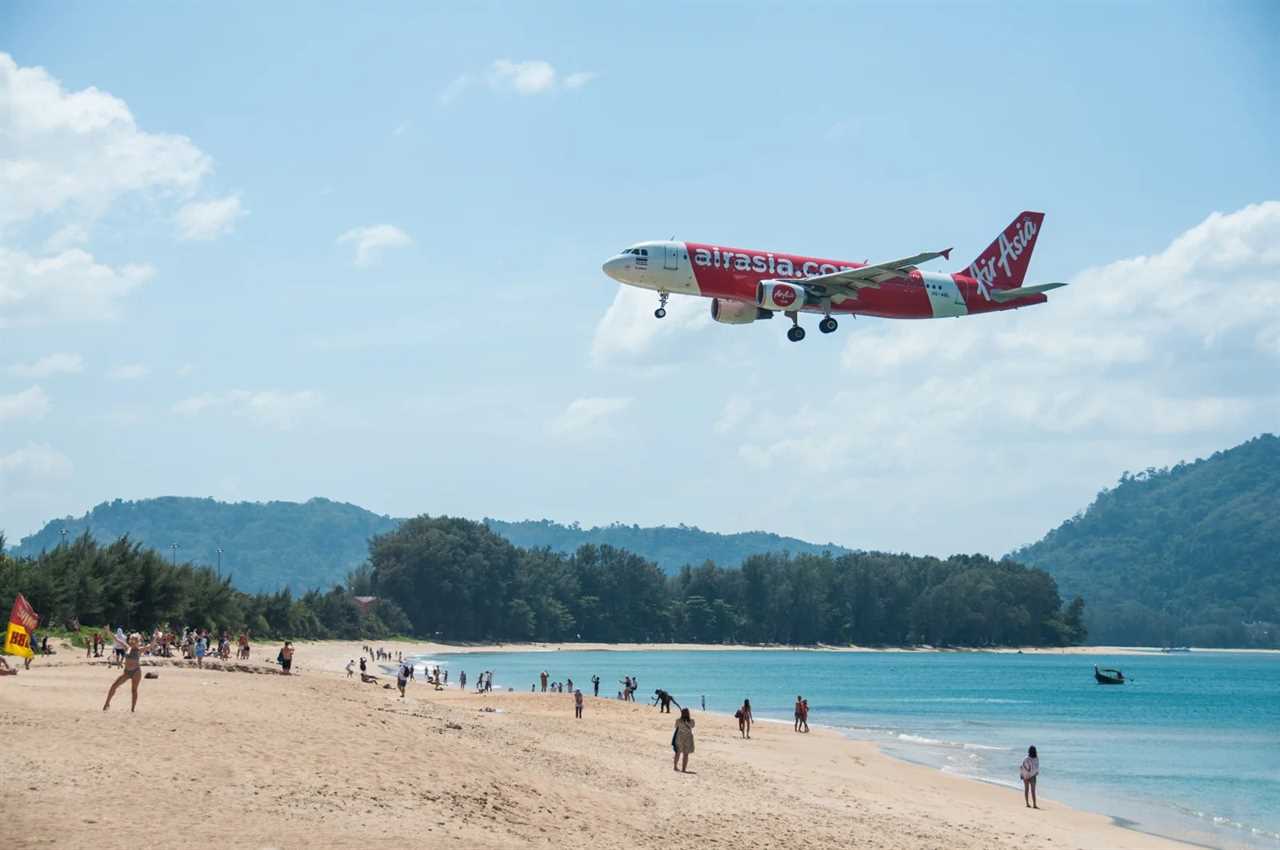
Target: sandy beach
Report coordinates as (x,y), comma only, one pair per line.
(228,759)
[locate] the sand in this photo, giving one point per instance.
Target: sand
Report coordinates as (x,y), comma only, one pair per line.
(216,759)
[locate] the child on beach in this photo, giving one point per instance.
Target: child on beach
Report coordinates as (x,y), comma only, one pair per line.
(351,668)
(1029,771)
(577,704)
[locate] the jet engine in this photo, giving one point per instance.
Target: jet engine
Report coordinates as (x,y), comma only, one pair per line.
(777,295)
(737,312)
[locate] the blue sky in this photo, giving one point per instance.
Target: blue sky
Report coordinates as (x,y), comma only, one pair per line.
(259,253)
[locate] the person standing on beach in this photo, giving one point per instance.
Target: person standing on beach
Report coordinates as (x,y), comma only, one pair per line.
(542,677)
(682,742)
(1029,771)
(462,680)
(744,719)
(799,709)
(577,704)
(132,671)
(595,685)
(804,715)
(202,646)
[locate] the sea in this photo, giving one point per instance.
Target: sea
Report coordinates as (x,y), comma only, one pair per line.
(1189,748)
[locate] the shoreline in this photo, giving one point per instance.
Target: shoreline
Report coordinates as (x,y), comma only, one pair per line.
(440,647)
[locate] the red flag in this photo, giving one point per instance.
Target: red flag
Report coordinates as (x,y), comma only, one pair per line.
(23,614)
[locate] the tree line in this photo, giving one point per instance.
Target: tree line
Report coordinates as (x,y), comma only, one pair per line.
(458,580)
(125,583)
(454,579)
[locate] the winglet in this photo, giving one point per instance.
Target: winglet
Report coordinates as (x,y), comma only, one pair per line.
(946,255)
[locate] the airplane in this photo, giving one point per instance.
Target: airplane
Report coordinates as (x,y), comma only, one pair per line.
(745,286)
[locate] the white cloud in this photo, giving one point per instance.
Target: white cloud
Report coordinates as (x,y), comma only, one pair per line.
(52,364)
(372,240)
(628,327)
(535,76)
(270,408)
(80,149)
(31,403)
(129,372)
(205,220)
(34,463)
(584,416)
(454,90)
(578,79)
(69,236)
(70,285)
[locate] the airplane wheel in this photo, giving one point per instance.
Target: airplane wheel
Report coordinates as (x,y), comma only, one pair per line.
(795,334)
(828,325)
(660,313)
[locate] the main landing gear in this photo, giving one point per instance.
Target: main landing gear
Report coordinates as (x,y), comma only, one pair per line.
(661,312)
(795,333)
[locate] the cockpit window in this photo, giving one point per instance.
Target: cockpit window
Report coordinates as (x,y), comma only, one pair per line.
(644,252)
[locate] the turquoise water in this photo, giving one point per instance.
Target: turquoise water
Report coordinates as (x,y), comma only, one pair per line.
(1189,748)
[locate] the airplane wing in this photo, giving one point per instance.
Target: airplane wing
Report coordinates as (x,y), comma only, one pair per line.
(871,276)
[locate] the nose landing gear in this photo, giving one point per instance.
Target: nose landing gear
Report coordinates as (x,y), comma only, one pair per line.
(661,312)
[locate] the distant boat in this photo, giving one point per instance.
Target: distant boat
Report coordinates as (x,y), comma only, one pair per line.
(1108,676)
(1176,649)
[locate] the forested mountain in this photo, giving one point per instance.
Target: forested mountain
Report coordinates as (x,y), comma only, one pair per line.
(267,546)
(669,547)
(1187,555)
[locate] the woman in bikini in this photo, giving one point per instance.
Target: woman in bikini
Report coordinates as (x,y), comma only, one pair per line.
(744,718)
(132,670)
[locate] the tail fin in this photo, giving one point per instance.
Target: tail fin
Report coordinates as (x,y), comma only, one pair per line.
(1004,264)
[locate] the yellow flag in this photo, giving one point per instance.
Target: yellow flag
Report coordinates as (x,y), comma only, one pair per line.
(17,641)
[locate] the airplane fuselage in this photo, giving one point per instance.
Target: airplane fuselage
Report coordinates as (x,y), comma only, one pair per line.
(735,275)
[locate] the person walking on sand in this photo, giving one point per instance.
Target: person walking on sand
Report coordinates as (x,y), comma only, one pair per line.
(286,658)
(402,678)
(744,719)
(351,668)
(804,715)
(132,670)
(682,742)
(577,704)
(799,709)
(1029,771)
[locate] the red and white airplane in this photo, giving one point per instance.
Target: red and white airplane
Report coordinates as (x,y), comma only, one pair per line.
(746,285)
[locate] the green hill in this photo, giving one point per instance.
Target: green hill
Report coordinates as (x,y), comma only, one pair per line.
(265,545)
(1183,556)
(669,547)
(314,544)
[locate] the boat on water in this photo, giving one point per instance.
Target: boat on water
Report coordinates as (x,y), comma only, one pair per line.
(1176,649)
(1108,676)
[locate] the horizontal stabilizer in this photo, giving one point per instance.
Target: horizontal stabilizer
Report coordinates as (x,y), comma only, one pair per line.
(1003,295)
